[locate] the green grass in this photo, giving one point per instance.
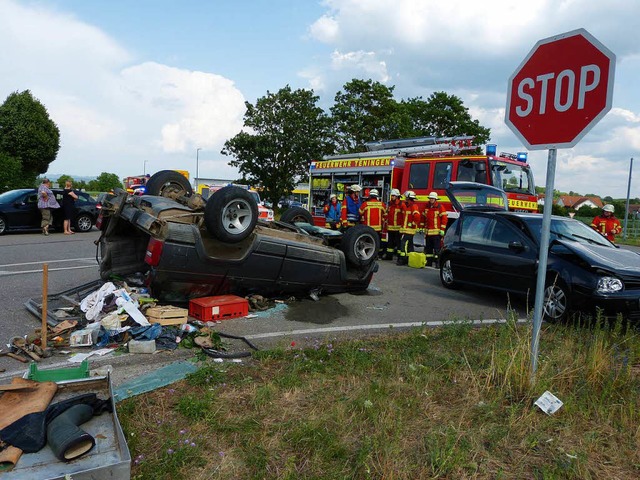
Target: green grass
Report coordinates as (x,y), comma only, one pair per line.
(455,402)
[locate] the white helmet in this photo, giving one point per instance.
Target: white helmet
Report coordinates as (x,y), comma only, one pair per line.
(332,196)
(410,194)
(374,193)
(433,195)
(395,192)
(355,188)
(608,208)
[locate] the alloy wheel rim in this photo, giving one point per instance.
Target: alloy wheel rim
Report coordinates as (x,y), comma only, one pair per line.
(236,216)
(555,302)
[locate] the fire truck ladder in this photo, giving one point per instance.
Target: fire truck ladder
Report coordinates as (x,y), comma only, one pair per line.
(423,145)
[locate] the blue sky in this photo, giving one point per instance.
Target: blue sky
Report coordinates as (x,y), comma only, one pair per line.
(134,81)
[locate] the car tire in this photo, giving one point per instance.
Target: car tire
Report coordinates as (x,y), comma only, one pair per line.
(295,215)
(3,225)
(446,275)
(360,244)
(168,183)
(83,223)
(556,303)
(231,214)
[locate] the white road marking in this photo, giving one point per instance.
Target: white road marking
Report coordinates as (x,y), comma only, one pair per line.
(22,272)
(47,261)
(388,326)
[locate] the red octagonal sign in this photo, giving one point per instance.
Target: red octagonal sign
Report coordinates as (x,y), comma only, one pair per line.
(561,90)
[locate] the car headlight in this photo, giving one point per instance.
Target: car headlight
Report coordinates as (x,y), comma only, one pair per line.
(608,285)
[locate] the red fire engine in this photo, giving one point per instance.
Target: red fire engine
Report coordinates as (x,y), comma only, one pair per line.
(423,165)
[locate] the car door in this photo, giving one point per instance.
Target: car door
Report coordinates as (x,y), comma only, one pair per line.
(469,256)
(25,213)
(512,257)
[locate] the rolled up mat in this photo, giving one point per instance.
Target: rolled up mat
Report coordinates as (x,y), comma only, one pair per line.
(66,439)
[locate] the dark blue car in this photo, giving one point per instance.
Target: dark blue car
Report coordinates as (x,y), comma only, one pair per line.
(19,211)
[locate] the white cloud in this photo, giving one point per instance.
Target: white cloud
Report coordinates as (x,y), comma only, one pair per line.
(114,113)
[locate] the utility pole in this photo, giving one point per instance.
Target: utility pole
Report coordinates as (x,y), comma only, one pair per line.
(195,180)
(626,210)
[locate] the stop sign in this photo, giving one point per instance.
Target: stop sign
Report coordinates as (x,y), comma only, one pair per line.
(560,90)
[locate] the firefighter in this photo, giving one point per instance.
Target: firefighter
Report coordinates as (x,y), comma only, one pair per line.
(372,213)
(394,219)
(350,211)
(607,224)
(332,212)
(435,223)
(410,222)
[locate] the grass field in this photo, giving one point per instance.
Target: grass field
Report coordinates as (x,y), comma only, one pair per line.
(454,403)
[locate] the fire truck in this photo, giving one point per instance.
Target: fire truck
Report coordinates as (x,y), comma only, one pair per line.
(423,165)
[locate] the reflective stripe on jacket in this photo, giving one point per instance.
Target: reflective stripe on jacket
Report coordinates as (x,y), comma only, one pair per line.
(411,218)
(395,217)
(435,219)
(372,214)
(607,227)
(350,211)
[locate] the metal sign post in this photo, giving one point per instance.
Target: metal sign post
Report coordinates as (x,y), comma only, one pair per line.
(538,309)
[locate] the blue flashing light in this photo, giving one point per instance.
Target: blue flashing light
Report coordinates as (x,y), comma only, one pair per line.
(492,149)
(521,156)
(393,162)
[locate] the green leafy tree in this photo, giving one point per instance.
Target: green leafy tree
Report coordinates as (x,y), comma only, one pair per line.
(287,130)
(62,179)
(105,182)
(365,111)
(442,115)
(27,134)
(10,173)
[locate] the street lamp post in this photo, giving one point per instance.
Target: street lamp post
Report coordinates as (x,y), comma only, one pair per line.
(144,167)
(195,181)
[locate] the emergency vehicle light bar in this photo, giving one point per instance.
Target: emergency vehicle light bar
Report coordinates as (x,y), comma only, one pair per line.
(520,156)
(408,143)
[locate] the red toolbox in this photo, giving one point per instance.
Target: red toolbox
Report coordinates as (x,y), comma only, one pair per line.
(220,307)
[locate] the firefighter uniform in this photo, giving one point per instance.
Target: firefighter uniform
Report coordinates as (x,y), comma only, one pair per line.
(606,224)
(411,220)
(395,220)
(332,212)
(435,223)
(350,211)
(372,213)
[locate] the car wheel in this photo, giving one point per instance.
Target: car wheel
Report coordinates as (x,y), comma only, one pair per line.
(168,183)
(556,303)
(231,214)
(3,225)
(446,275)
(83,223)
(360,245)
(296,215)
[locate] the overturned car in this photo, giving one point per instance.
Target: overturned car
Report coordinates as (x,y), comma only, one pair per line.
(187,247)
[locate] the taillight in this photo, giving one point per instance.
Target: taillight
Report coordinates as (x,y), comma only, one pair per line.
(99,221)
(154,250)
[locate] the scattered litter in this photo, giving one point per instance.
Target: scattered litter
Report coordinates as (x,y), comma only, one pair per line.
(79,357)
(548,403)
(376,307)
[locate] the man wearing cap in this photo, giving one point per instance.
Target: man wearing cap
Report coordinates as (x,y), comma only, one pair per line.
(607,224)
(410,221)
(332,212)
(372,213)
(350,211)
(394,219)
(435,223)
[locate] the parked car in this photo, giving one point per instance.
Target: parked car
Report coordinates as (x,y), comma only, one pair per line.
(19,211)
(488,246)
(188,247)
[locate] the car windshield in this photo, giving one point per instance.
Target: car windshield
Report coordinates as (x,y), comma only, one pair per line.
(11,195)
(568,229)
(512,177)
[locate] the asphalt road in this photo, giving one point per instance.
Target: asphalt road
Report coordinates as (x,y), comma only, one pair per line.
(399,296)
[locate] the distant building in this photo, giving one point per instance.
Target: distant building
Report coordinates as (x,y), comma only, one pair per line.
(575,202)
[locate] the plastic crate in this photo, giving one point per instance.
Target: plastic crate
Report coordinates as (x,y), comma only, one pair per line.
(220,307)
(58,374)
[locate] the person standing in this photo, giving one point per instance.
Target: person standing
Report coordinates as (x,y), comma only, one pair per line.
(394,219)
(607,224)
(372,213)
(350,211)
(46,202)
(435,216)
(332,212)
(68,200)
(410,221)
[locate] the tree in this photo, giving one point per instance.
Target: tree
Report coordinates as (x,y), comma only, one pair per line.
(27,134)
(62,179)
(364,112)
(10,173)
(288,130)
(105,182)
(442,115)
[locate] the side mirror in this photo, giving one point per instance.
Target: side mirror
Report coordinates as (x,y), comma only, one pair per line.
(516,246)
